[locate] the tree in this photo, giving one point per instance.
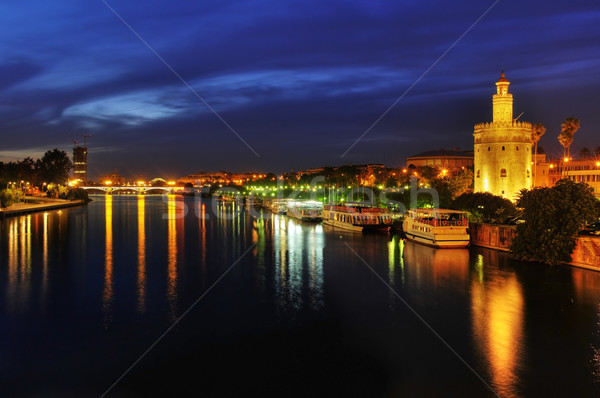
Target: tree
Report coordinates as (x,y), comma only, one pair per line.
(485,207)
(537,131)
(553,218)
(461,183)
(585,152)
(54,167)
(567,131)
(9,196)
(597,150)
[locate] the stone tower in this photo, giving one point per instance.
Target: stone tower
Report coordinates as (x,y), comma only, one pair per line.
(502,149)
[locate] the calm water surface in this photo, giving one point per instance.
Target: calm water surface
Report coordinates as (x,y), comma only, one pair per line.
(277,307)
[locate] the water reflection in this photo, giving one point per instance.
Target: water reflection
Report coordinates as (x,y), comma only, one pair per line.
(173,213)
(498,310)
(298,261)
(439,267)
(141,266)
(586,288)
(44,258)
(395,258)
(19,263)
(107,295)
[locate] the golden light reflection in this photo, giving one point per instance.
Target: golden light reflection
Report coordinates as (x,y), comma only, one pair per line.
(497,311)
(19,263)
(439,267)
(45,256)
(108,260)
(13,265)
(25,246)
(141,268)
(586,285)
(203,235)
(172,253)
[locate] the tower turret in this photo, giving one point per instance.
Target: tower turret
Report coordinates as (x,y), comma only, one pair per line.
(502,149)
(502,101)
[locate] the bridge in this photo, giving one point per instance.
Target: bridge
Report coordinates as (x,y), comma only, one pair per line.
(142,190)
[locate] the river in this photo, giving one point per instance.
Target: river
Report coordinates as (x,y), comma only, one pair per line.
(177,296)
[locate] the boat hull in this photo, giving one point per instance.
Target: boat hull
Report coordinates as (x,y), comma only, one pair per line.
(357,227)
(440,242)
(305,215)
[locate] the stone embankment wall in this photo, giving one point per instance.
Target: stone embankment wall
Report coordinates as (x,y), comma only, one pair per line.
(492,236)
(499,237)
(587,253)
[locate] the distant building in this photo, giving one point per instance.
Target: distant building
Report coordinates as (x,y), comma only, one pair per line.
(541,171)
(579,170)
(80,163)
(114,179)
(221,178)
(450,159)
(503,149)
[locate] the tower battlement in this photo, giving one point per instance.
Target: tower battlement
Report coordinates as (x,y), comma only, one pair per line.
(497,125)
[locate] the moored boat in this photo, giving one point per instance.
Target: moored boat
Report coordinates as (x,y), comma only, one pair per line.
(309,210)
(357,217)
(437,227)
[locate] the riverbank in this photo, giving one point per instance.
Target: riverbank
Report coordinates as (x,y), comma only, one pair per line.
(499,237)
(35,204)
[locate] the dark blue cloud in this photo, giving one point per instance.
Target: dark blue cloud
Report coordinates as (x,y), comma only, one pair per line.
(299,80)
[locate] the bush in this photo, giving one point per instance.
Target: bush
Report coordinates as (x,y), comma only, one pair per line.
(485,207)
(553,218)
(9,196)
(77,194)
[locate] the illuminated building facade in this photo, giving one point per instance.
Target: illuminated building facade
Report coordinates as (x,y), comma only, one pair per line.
(579,170)
(80,163)
(503,158)
(220,177)
(449,159)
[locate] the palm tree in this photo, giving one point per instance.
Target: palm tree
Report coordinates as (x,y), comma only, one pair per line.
(567,131)
(597,150)
(537,131)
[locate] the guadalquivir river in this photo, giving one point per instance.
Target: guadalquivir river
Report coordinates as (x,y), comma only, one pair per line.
(270,306)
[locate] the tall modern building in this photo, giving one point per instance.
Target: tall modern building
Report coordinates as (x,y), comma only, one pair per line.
(80,163)
(502,149)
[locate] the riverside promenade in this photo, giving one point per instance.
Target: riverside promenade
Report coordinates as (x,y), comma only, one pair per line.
(35,204)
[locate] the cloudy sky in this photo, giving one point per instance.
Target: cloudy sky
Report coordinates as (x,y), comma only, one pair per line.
(174,87)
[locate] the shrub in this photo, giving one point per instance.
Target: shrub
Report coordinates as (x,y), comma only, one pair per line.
(553,218)
(485,207)
(9,196)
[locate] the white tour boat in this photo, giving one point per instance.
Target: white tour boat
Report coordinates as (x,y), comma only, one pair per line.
(437,227)
(357,217)
(307,210)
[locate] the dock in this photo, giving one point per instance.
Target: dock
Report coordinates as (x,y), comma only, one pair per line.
(47,205)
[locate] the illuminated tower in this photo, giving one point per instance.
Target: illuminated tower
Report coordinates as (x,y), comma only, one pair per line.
(502,148)
(80,163)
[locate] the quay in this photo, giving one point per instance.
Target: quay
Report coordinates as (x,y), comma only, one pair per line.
(47,204)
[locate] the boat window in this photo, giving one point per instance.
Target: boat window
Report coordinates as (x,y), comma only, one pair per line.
(503,148)
(502,172)
(489,149)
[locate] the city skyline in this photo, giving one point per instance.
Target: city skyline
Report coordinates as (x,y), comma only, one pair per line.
(296,83)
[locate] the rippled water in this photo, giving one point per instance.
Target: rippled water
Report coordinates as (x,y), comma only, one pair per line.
(262,305)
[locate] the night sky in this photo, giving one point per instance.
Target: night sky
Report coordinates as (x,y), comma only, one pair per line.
(299,81)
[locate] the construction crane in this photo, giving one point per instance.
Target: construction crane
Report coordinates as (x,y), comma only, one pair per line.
(85,136)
